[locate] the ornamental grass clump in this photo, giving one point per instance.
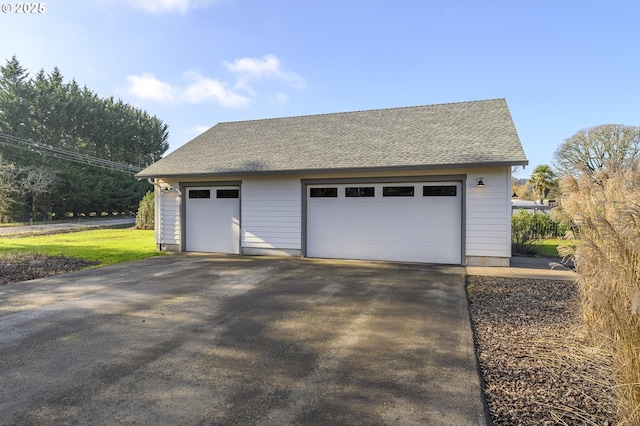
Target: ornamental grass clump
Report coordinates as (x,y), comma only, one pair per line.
(606,207)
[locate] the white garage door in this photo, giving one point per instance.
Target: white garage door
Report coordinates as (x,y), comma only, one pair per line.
(212,219)
(415,222)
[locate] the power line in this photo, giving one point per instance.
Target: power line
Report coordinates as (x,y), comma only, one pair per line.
(63,154)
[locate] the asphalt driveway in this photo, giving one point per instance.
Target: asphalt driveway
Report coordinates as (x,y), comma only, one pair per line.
(205,339)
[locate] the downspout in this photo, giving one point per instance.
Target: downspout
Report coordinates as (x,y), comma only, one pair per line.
(157,223)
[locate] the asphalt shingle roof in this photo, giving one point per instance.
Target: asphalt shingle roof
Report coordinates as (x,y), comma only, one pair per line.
(457,134)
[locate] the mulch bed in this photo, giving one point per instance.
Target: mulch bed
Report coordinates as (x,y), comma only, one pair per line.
(22,267)
(536,366)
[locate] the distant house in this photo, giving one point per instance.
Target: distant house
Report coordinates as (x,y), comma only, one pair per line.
(525,204)
(531,206)
(419,184)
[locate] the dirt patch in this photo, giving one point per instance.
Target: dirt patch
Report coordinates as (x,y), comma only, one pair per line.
(18,267)
(537,368)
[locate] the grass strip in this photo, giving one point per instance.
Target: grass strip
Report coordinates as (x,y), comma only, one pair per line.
(105,246)
(549,247)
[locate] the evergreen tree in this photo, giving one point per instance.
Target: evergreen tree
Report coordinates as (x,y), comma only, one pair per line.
(15,99)
(48,110)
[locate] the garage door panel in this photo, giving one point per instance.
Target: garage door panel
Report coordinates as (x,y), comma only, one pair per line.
(407,251)
(412,228)
(212,222)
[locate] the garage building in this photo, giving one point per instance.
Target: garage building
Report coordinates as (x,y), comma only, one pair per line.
(420,184)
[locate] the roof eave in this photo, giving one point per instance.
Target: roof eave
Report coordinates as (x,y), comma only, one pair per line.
(143,175)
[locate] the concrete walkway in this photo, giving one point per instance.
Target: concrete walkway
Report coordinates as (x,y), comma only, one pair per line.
(527,267)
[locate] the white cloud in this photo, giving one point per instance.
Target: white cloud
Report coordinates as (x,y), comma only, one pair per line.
(163,6)
(267,66)
(242,84)
(146,86)
(201,89)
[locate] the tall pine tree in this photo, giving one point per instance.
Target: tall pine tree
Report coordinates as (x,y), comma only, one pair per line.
(48,110)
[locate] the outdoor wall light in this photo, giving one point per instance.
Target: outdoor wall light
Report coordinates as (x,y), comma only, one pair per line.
(480,182)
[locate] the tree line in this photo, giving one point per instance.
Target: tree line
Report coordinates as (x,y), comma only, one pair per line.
(588,151)
(49,110)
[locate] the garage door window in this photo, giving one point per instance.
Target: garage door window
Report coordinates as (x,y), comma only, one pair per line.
(439,191)
(362,191)
(323,192)
(398,191)
(199,193)
(228,193)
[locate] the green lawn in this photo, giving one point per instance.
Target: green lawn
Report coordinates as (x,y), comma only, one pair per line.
(107,246)
(549,248)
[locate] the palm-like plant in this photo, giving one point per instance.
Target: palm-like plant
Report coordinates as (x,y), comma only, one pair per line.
(543,179)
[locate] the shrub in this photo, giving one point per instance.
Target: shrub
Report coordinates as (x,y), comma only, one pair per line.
(521,233)
(529,225)
(145,217)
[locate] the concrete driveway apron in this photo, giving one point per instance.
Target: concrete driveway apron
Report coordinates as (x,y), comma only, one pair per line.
(206,339)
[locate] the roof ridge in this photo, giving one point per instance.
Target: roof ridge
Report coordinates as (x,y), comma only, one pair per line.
(358,111)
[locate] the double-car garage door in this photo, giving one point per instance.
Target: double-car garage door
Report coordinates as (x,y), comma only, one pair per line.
(416,221)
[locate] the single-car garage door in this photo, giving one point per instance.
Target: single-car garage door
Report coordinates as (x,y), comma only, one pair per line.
(212,222)
(415,222)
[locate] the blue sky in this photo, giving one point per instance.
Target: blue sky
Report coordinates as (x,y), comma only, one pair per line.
(561,65)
